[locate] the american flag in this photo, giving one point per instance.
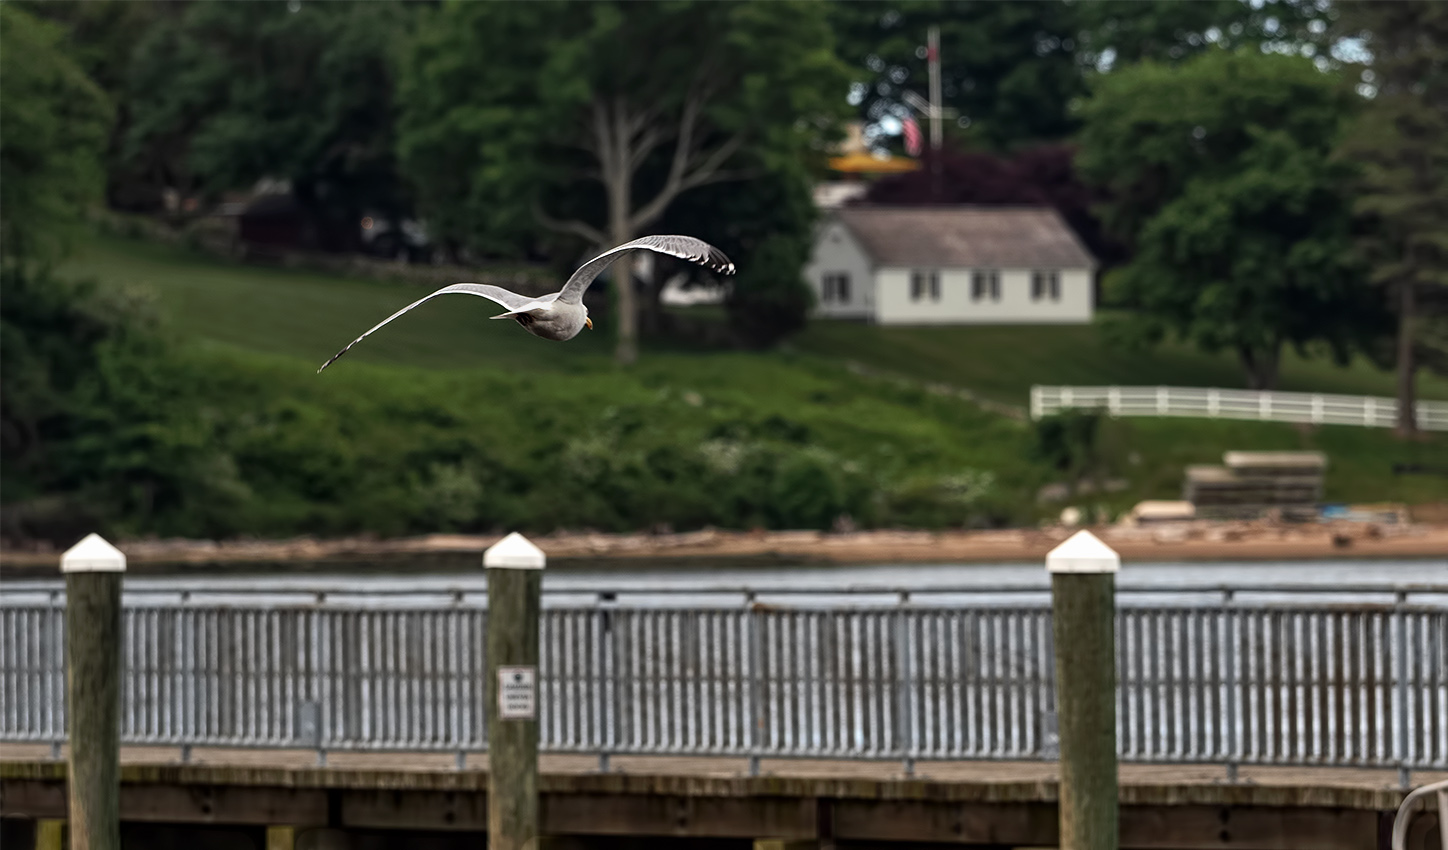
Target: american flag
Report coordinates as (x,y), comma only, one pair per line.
(913,138)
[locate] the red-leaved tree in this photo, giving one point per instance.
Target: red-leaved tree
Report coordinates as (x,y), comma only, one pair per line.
(1041,175)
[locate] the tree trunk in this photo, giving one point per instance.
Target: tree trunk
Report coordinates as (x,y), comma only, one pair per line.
(653,321)
(1261,366)
(1407,368)
(619,181)
(626,351)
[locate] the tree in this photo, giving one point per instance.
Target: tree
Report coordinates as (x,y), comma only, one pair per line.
(101,39)
(1400,143)
(88,419)
(766,225)
(224,94)
(1220,177)
(1008,68)
(55,121)
(1116,33)
(591,119)
(1012,70)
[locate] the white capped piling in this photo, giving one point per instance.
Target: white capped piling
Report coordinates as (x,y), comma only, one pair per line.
(1083,612)
(93,570)
(515,582)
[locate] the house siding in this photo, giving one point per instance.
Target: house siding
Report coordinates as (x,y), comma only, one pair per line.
(836,251)
(894,305)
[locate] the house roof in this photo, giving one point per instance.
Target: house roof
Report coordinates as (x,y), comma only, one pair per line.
(966,236)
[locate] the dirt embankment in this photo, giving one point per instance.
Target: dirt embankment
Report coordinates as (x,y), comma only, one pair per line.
(1186,541)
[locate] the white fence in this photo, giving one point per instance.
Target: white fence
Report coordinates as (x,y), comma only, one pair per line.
(1262,406)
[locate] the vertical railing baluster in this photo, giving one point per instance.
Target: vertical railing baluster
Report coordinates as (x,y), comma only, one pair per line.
(754,679)
(904,685)
(1400,689)
(1230,646)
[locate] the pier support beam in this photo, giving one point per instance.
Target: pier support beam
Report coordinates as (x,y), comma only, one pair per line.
(50,835)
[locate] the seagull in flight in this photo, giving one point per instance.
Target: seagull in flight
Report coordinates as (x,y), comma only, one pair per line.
(561,315)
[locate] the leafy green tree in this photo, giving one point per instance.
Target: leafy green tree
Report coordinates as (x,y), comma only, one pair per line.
(1008,68)
(1400,143)
(55,121)
(102,38)
(1115,33)
(236,92)
(766,225)
(1012,70)
(591,119)
(93,427)
(1219,171)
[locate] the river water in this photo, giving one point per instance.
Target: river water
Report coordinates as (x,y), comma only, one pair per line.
(690,584)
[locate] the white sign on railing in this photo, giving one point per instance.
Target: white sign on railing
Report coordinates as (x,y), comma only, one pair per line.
(1257,405)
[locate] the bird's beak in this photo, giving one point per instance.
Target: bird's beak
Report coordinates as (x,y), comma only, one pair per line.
(588,322)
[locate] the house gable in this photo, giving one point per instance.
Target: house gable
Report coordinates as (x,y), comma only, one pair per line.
(840,273)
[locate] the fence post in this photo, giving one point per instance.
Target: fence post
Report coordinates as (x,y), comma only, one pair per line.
(93,569)
(1083,614)
(515,582)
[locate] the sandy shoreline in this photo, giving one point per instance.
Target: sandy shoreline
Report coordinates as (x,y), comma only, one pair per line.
(1188,541)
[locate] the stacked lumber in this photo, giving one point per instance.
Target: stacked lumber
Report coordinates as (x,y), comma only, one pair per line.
(1249,484)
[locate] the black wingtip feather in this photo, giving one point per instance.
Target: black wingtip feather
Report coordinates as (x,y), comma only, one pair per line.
(718,262)
(340,353)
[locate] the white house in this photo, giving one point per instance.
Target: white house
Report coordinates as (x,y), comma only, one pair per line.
(951,265)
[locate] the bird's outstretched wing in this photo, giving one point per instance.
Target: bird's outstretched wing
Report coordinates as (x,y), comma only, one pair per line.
(683,247)
(511,300)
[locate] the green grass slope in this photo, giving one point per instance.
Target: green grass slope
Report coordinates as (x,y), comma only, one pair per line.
(1002,362)
(312,316)
(447,420)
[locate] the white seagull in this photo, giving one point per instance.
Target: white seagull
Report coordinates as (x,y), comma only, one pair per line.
(561,315)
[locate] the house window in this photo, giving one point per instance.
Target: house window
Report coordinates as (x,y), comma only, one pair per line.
(985,285)
(925,285)
(1046,285)
(835,287)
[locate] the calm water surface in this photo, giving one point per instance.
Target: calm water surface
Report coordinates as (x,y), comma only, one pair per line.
(692,583)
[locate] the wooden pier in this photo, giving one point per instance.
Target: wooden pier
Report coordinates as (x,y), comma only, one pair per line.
(283,796)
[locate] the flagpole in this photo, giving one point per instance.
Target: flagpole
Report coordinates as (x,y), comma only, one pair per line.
(933,55)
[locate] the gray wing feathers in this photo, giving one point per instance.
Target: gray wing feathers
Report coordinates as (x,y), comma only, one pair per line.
(511,300)
(683,247)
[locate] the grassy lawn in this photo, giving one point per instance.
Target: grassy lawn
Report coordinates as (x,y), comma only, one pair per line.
(1003,362)
(312,316)
(444,382)
(1360,460)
